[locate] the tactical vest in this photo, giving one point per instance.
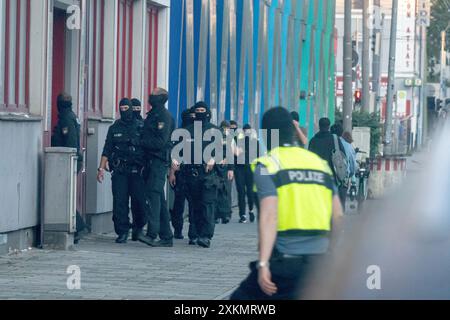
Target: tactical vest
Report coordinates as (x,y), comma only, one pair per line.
(304,185)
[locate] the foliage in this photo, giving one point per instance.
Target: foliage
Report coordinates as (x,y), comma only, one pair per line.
(365,119)
(440,17)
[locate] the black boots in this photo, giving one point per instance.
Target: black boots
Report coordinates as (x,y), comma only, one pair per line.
(122,238)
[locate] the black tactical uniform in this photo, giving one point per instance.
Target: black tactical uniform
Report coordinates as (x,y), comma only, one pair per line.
(180,189)
(135,207)
(202,186)
(244,175)
(66,134)
(126,162)
(157,144)
(223,206)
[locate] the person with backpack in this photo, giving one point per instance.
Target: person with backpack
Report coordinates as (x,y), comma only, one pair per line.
(330,148)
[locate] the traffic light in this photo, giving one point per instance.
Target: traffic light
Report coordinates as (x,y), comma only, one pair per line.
(438,104)
(358,97)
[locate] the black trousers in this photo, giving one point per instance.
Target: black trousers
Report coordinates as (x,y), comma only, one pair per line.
(177,212)
(244,186)
(202,196)
(158,218)
(223,206)
(126,184)
(290,275)
(343,190)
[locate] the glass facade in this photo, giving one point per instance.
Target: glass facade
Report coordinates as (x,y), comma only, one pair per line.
(243,57)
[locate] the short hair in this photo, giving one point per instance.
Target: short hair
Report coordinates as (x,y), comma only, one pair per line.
(337,129)
(224,124)
(324,124)
(280,119)
(233,123)
(247,127)
(159,91)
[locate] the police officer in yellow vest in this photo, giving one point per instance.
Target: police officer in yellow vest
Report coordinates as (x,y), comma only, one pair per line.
(299,203)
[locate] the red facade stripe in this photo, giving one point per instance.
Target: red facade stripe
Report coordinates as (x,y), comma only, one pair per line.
(102,49)
(130,47)
(150,43)
(94,60)
(388,165)
(27,56)
(7,45)
(155,49)
(124,42)
(17,71)
(396,165)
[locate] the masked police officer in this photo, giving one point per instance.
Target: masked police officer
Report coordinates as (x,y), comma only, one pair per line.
(226,175)
(126,162)
(178,182)
(202,179)
(66,134)
(157,144)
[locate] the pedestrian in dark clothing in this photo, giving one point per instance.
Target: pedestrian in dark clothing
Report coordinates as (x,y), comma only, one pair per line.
(158,128)
(126,162)
(226,175)
(247,143)
(66,134)
(322,144)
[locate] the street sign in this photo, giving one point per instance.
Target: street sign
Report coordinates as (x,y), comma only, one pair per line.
(424,13)
(401,102)
(409,82)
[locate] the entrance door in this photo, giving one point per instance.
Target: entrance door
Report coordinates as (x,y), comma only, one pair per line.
(64,79)
(58,64)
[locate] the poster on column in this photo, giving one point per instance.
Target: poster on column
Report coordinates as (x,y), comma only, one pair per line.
(406,30)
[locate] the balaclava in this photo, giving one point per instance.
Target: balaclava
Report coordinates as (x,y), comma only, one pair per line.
(136,103)
(204,117)
(64,102)
(126,116)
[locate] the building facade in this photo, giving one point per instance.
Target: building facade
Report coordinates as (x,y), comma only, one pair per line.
(242,57)
(96,50)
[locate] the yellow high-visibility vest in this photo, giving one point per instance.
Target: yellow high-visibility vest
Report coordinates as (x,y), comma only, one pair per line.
(304,185)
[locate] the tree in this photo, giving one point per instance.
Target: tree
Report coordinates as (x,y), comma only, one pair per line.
(440,17)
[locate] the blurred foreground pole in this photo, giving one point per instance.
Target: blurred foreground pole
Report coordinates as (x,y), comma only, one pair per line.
(388,146)
(366,59)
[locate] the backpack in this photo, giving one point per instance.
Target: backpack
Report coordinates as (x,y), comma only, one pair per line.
(340,162)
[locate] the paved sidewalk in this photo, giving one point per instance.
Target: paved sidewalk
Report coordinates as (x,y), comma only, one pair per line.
(134,270)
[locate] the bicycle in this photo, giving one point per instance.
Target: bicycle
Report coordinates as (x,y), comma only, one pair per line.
(359,190)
